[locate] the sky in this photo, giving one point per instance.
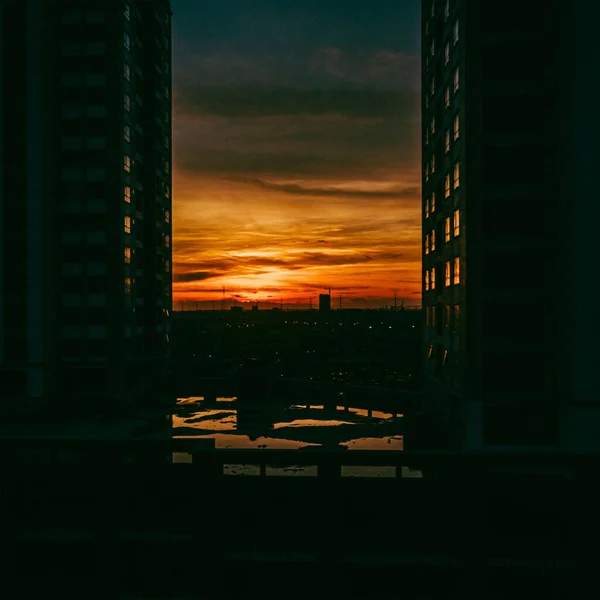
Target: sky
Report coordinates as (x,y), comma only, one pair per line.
(296,151)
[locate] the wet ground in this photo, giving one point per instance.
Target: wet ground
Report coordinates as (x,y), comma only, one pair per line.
(278,424)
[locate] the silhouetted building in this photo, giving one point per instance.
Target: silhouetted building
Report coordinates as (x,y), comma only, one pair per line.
(324,302)
(85,198)
(508,154)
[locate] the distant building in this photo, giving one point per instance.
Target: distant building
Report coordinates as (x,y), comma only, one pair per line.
(509,152)
(85,199)
(324,302)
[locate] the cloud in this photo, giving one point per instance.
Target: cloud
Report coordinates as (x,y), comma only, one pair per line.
(270,100)
(195,276)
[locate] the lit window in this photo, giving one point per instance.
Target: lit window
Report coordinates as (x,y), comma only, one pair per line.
(432,279)
(447,97)
(127,133)
(447,230)
(426,208)
(456,32)
(455,316)
(433,202)
(445,360)
(127,224)
(447,315)
(127,195)
(426,171)
(167,216)
(128,285)
(447,9)
(167,191)
(127,71)
(433,87)
(127,41)
(430,351)
(457,270)
(432,244)
(456,127)
(456,175)
(432,47)
(447,186)
(433,164)
(447,274)
(447,54)
(426,281)
(167,241)
(127,102)
(127,164)
(433,126)
(456,222)
(127,12)
(427,244)
(456,80)
(447,141)
(127,255)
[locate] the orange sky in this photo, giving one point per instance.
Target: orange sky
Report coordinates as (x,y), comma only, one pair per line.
(283,190)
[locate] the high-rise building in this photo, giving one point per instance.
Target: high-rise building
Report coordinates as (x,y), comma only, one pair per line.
(509,144)
(85,200)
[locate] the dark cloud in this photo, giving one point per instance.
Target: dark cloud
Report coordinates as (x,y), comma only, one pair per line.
(306,191)
(263,100)
(196,276)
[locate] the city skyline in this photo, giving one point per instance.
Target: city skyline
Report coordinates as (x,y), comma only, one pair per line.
(296,152)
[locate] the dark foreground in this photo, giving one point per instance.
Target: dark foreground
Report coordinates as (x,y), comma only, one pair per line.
(471,527)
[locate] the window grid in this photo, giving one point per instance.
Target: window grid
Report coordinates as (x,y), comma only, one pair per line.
(456,222)
(457,271)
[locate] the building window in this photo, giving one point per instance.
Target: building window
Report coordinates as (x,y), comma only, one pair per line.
(426,101)
(167,191)
(447,141)
(447,9)
(433,164)
(433,87)
(127,224)
(127,133)
(127,72)
(456,175)
(447,230)
(457,270)
(127,164)
(432,47)
(96,48)
(128,255)
(127,195)
(426,281)
(456,79)
(432,125)
(94,16)
(127,102)
(432,244)
(447,97)
(427,137)
(167,216)
(427,244)
(447,315)
(96,79)
(456,222)
(95,174)
(426,171)
(456,127)
(128,285)
(447,54)
(432,202)
(455,316)
(127,41)
(447,186)
(426,208)
(127,12)
(167,241)
(447,274)
(96,112)
(427,28)
(95,143)
(456,32)
(166,141)
(432,279)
